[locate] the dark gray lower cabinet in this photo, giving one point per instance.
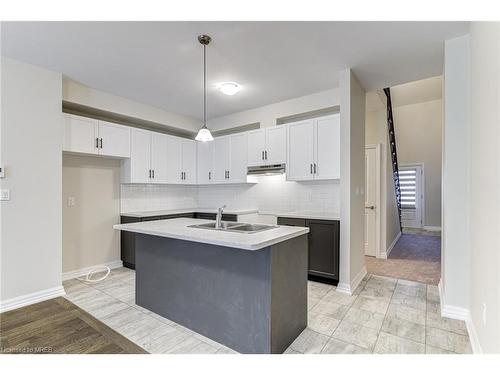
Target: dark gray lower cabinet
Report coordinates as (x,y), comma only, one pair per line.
(127,239)
(324,247)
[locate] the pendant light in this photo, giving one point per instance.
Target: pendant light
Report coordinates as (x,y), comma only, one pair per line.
(204,134)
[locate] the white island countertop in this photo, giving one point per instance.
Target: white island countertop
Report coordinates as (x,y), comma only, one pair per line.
(179,229)
(177,211)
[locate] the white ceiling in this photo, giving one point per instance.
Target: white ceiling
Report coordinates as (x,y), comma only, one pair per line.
(160,63)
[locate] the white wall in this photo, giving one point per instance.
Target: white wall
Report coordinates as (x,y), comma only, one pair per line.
(87,229)
(31,154)
(485,184)
(455,191)
(77,93)
(268,114)
(352,181)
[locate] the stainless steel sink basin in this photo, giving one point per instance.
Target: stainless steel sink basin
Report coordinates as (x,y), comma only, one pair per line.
(235,227)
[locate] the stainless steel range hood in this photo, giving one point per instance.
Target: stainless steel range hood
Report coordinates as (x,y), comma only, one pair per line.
(266,170)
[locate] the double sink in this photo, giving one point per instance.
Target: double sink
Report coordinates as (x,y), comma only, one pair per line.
(235,227)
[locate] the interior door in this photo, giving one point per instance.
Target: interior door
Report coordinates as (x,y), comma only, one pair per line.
(256,147)
(300,151)
(370,201)
(327,148)
(221,159)
(238,158)
(276,145)
(80,134)
(159,156)
(205,155)
(174,160)
(412,195)
(189,161)
(114,140)
(140,156)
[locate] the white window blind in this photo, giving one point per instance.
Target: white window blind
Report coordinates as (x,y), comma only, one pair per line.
(408,184)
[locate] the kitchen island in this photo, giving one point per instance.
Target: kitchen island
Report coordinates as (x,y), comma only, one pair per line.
(247,291)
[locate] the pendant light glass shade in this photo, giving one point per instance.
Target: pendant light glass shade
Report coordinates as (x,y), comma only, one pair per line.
(204,135)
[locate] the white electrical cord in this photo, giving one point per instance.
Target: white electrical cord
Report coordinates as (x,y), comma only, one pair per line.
(88,278)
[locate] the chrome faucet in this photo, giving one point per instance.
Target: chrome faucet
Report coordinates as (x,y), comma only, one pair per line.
(218,218)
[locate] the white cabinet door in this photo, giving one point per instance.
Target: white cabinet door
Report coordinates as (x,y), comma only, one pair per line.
(275,145)
(80,134)
(189,161)
(256,147)
(221,159)
(174,160)
(140,156)
(327,148)
(300,151)
(205,151)
(238,158)
(159,158)
(114,140)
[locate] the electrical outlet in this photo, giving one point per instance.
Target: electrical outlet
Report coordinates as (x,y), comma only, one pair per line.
(71,201)
(484,314)
(5,195)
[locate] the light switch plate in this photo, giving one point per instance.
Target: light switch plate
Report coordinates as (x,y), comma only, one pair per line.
(5,195)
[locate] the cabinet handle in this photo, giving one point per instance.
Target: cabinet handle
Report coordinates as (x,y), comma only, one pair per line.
(262,155)
(265,154)
(311,168)
(184,175)
(314,168)
(228,176)
(153,173)
(97,143)
(209,175)
(150,173)
(101,142)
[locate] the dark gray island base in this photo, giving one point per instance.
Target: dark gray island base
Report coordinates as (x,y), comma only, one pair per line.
(251,301)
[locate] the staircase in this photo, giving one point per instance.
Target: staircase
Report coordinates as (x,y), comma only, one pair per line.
(394,153)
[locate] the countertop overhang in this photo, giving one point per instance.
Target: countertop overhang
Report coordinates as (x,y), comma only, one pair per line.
(179,229)
(177,211)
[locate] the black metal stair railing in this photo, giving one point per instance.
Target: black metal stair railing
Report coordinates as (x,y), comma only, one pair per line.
(394,153)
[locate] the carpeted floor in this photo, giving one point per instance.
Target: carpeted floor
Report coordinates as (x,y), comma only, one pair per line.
(414,257)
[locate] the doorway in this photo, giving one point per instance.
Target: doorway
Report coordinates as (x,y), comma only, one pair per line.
(372,200)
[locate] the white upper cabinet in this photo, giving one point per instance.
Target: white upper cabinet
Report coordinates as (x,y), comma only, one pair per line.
(159,147)
(314,149)
(114,139)
(174,160)
(275,152)
(267,146)
(205,155)
(189,161)
(89,136)
(300,151)
(221,159)
(327,148)
(238,158)
(256,147)
(137,169)
(80,134)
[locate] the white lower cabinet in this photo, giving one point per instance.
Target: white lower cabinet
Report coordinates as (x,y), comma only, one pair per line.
(314,149)
(89,136)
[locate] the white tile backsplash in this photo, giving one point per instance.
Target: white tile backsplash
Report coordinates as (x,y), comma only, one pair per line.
(273,194)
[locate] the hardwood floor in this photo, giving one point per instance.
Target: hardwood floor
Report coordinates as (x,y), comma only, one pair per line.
(59,326)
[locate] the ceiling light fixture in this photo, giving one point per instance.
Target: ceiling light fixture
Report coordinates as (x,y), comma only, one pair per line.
(229,88)
(204,134)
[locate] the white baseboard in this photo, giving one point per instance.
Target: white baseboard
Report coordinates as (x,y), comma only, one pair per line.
(460,313)
(83,271)
(349,288)
(432,228)
(31,298)
(385,254)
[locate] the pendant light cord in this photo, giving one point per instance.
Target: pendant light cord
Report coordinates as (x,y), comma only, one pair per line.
(204,86)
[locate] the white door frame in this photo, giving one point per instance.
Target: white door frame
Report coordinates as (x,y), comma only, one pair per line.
(378,190)
(422,189)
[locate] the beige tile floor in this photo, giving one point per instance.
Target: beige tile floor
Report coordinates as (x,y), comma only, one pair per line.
(384,315)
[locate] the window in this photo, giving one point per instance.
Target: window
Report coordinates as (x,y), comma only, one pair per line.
(408,185)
